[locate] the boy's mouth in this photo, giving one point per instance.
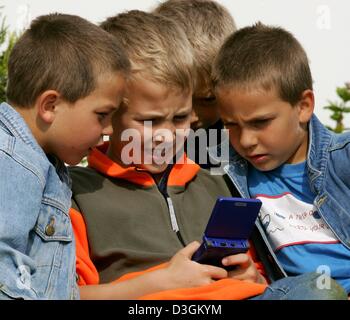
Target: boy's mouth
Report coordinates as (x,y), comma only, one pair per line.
(257,158)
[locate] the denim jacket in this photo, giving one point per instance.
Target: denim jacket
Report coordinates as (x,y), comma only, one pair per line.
(328,167)
(37,250)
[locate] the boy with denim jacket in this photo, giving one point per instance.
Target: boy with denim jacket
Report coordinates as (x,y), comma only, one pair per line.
(66,77)
(283,155)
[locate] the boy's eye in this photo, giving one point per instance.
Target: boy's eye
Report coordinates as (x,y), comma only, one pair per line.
(261,123)
(149,120)
(182,117)
(102,115)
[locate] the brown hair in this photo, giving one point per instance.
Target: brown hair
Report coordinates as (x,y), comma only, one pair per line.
(266,57)
(207,24)
(157,47)
(61,52)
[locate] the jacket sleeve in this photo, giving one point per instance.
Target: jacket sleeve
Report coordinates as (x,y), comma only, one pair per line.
(86,270)
(20,201)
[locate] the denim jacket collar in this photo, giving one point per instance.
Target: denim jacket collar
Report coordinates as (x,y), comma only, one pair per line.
(13,123)
(319,145)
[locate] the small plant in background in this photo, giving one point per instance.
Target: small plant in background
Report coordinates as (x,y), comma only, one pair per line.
(339,109)
(7,41)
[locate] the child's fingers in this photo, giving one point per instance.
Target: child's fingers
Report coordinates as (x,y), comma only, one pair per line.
(240,274)
(241,259)
(190,249)
(215,272)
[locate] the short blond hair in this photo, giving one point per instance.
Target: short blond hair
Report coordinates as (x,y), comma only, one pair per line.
(156,46)
(207,24)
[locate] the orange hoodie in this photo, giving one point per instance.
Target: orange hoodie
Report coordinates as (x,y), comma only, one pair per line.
(88,274)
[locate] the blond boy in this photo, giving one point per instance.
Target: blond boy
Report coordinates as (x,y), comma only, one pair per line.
(135,210)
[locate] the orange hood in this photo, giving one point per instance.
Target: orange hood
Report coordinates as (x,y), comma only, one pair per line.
(181,173)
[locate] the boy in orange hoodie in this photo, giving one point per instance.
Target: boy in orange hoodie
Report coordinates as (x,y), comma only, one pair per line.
(148,205)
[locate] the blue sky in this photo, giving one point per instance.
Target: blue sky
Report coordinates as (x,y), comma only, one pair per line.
(322,27)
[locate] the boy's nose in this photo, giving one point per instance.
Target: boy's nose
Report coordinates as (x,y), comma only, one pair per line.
(165,135)
(168,129)
(247,139)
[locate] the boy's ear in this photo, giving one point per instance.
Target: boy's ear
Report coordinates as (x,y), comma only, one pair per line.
(46,105)
(306,106)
